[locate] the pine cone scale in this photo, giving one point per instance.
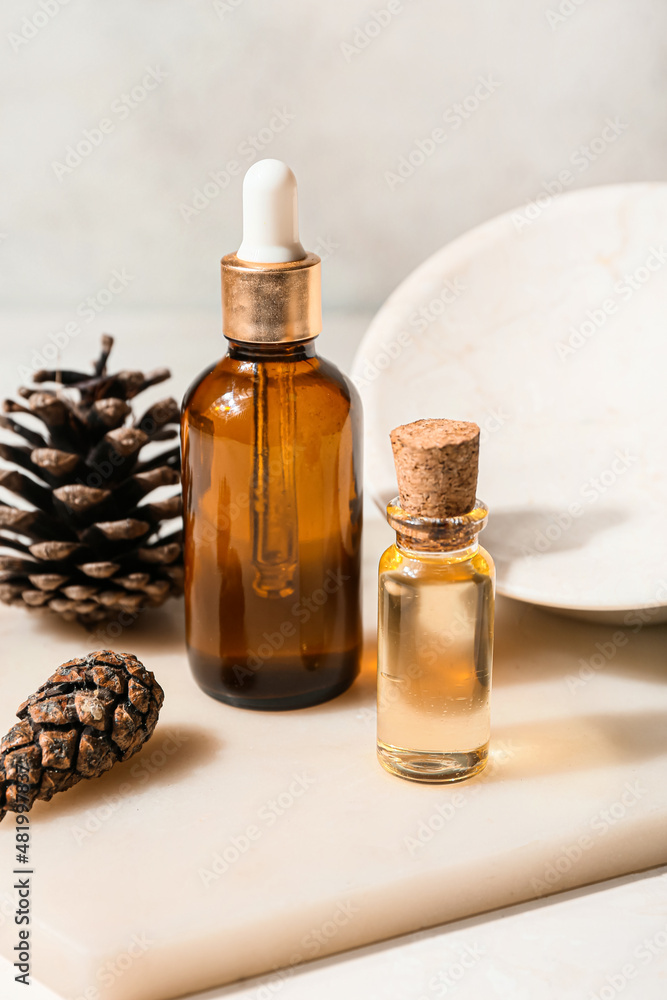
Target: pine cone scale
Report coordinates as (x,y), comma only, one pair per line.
(58,748)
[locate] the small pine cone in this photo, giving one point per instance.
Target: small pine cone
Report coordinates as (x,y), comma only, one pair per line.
(91,713)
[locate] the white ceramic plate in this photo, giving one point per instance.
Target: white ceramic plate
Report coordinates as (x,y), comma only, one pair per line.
(548,326)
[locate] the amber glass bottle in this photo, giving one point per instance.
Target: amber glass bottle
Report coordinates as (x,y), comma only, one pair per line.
(271,439)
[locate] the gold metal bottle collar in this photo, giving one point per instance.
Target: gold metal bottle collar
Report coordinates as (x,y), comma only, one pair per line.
(271,303)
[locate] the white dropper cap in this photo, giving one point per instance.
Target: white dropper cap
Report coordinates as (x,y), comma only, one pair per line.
(270,215)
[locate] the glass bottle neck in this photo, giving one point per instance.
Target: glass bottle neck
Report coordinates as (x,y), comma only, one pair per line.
(451,538)
(408,546)
(253,351)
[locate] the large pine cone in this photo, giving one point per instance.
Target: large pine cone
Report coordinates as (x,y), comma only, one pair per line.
(87,548)
(91,713)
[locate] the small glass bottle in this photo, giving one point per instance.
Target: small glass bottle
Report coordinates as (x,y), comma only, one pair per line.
(436,607)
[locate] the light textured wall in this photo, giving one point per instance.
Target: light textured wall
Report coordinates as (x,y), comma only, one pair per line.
(342,90)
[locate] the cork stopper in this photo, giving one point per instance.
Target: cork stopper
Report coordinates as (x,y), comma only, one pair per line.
(436,466)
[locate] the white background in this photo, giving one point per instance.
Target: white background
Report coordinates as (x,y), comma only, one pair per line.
(361,97)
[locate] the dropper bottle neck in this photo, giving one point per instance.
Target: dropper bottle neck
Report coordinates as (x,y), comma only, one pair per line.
(300,350)
(271,288)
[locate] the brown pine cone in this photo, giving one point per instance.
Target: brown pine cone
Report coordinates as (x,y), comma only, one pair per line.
(84,543)
(91,713)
